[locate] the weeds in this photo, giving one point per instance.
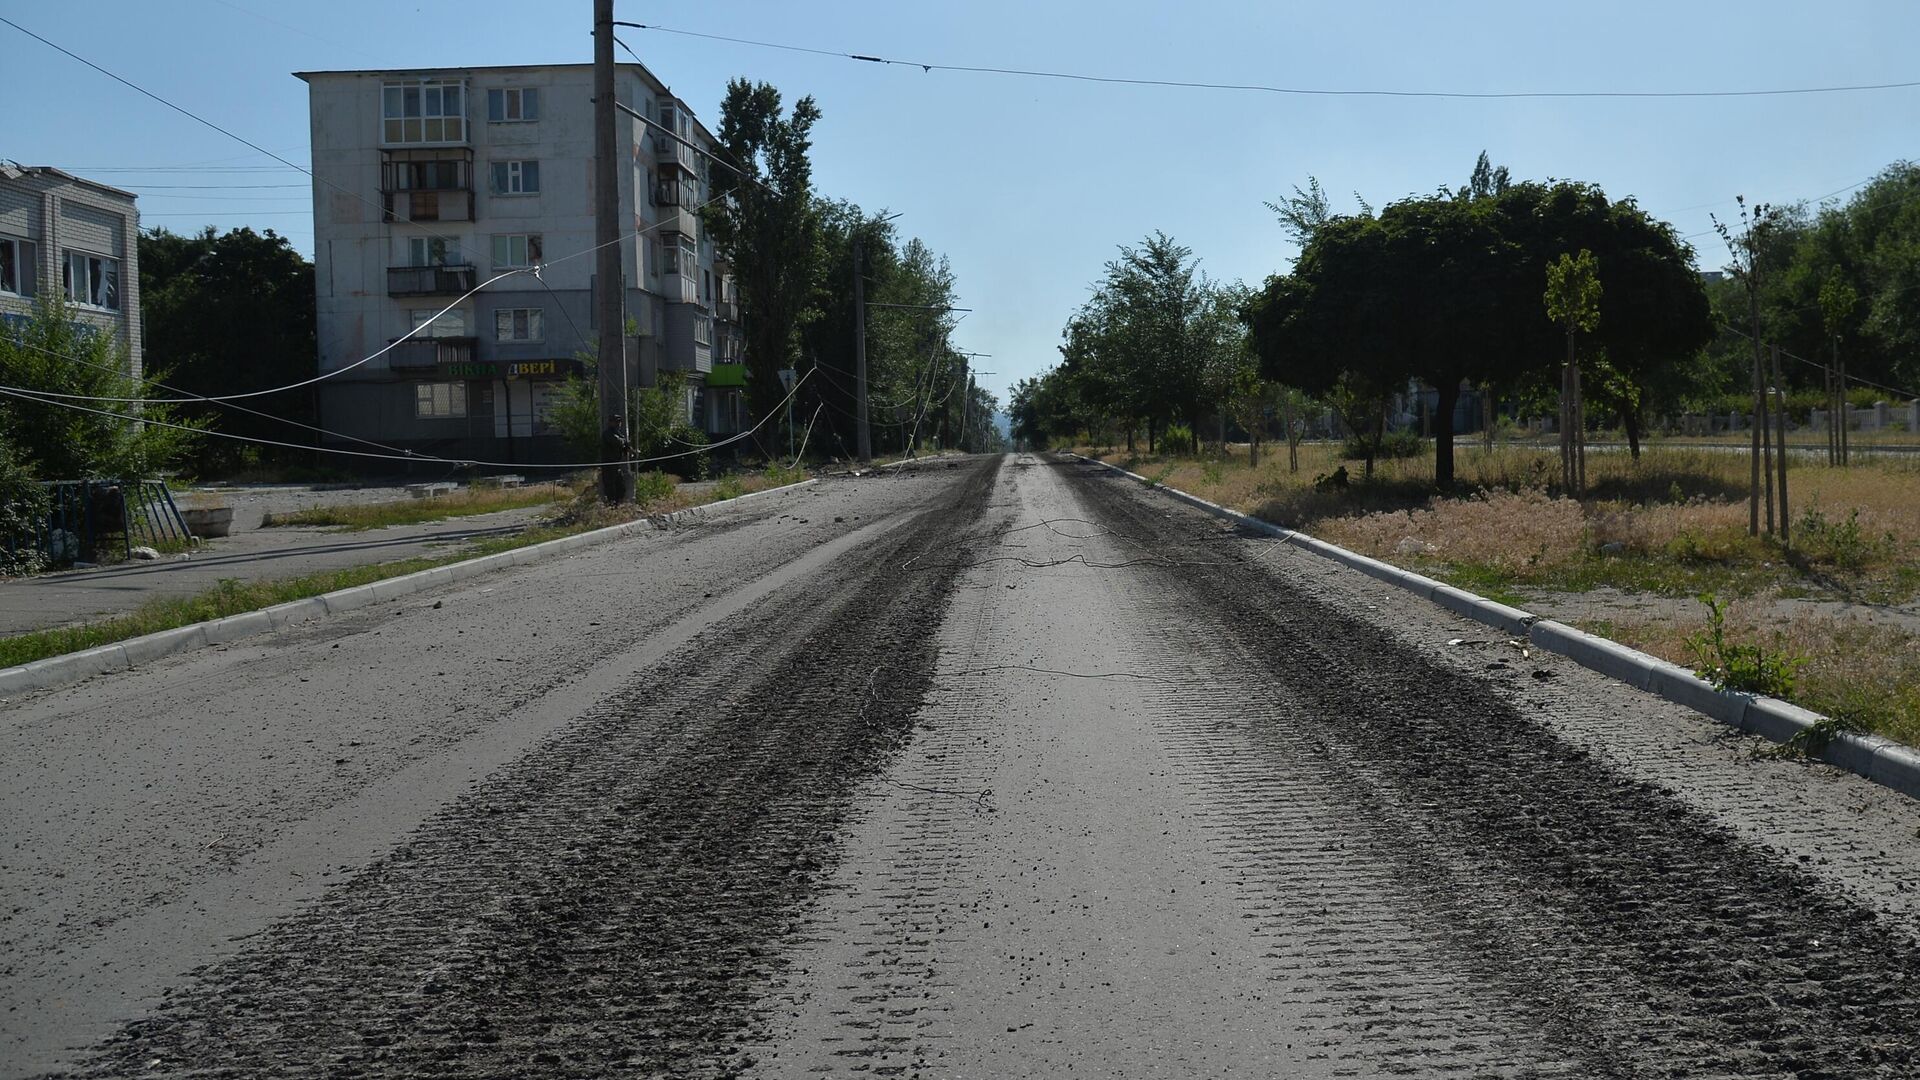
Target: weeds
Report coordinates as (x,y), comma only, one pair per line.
(417,511)
(1744,667)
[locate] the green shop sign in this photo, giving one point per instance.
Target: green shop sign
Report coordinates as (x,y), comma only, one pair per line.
(487,369)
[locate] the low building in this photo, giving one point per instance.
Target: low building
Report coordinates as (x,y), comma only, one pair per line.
(460,201)
(63,235)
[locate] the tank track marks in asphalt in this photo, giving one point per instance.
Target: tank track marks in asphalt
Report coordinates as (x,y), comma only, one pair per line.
(1646,938)
(608,904)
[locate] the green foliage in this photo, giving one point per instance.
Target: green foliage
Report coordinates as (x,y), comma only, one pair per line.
(1842,271)
(729,487)
(226,314)
(54,353)
(1176,439)
(1394,444)
(1745,667)
(653,486)
(656,417)
(768,225)
(23,512)
(1842,544)
(1573,292)
(779,475)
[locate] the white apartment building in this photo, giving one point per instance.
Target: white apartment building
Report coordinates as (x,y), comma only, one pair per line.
(61,235)
(430,183)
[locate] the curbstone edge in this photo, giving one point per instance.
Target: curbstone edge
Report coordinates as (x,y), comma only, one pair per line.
(1880,760)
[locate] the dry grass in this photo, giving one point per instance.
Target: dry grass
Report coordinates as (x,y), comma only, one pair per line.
(1673,523)
(466,502)
(1867,674)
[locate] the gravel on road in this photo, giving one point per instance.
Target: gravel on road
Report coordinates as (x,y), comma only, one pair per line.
(1009,769)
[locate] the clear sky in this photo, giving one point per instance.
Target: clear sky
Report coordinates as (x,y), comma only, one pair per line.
(1026,184)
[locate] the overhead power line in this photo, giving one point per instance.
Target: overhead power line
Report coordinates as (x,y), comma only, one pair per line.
(37,396)
(1297,91)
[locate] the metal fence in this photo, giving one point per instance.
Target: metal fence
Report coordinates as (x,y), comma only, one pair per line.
(86,520)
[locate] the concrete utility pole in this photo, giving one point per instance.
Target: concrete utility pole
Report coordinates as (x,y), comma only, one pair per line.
(865,437)
(616,483)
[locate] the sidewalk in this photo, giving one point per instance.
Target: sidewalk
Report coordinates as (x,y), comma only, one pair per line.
(250,554)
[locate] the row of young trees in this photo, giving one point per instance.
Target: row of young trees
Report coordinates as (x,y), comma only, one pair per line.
(1446,291)
(1837,280)
(793,257)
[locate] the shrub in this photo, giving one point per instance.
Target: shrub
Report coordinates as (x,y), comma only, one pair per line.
(1394,444)
(1177,439)
(23,512)
(1737,666)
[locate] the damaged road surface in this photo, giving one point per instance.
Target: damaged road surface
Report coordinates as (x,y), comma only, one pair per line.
(987,768)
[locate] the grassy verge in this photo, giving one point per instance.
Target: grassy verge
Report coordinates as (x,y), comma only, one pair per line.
(233,597)
(1864,674)
(464,503)
(1673,525)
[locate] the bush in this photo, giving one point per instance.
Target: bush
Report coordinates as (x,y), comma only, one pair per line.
(1736,666)
(1177,439)
(1395,444)
(23,513)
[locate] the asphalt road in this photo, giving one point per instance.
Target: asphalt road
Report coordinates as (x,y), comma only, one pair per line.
(996,768)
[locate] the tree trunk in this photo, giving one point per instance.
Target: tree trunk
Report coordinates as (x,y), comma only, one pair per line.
(1379,436)
(1630,420)
(1446,396)
(1152,430)
(1129,440)
(1253,449)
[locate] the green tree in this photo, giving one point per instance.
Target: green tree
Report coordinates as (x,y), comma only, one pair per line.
(117,440)
(767,223)
(227,314)
(1573,301)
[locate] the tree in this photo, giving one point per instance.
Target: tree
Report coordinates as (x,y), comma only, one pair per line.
(1573,301)
(767,223)
(227,314)
(53,354)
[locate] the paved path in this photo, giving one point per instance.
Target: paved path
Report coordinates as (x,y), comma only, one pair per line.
(985,769)
(36,603)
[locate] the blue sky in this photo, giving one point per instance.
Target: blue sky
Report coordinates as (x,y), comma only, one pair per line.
(1028,185)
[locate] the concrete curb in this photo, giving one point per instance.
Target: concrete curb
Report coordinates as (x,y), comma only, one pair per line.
(56,671)
(1880,760)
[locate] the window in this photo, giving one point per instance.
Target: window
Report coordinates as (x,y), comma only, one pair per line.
(448,324)
(519,324)
(703,330)
(516,177)
(16,267)
(433,251)
(439,400)
(424,112)
(706,286)
(666,257)
(92,279)
(513,104)
(516,249)
(439,174)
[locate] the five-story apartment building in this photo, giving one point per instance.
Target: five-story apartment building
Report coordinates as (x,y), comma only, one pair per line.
(460,201)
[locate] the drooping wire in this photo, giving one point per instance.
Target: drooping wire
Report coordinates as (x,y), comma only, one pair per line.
(1297,91)
(31,395)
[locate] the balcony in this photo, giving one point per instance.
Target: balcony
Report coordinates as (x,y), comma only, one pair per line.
(419,353)
(675,220)
(429,280)
(427,185)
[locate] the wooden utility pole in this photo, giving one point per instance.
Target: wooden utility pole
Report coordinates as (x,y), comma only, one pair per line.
(1753,491)
(864,438)
(1846,412)
(1780,443)
(616,481)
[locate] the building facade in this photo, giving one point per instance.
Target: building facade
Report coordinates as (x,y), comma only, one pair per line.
(61,235)
(460,201)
